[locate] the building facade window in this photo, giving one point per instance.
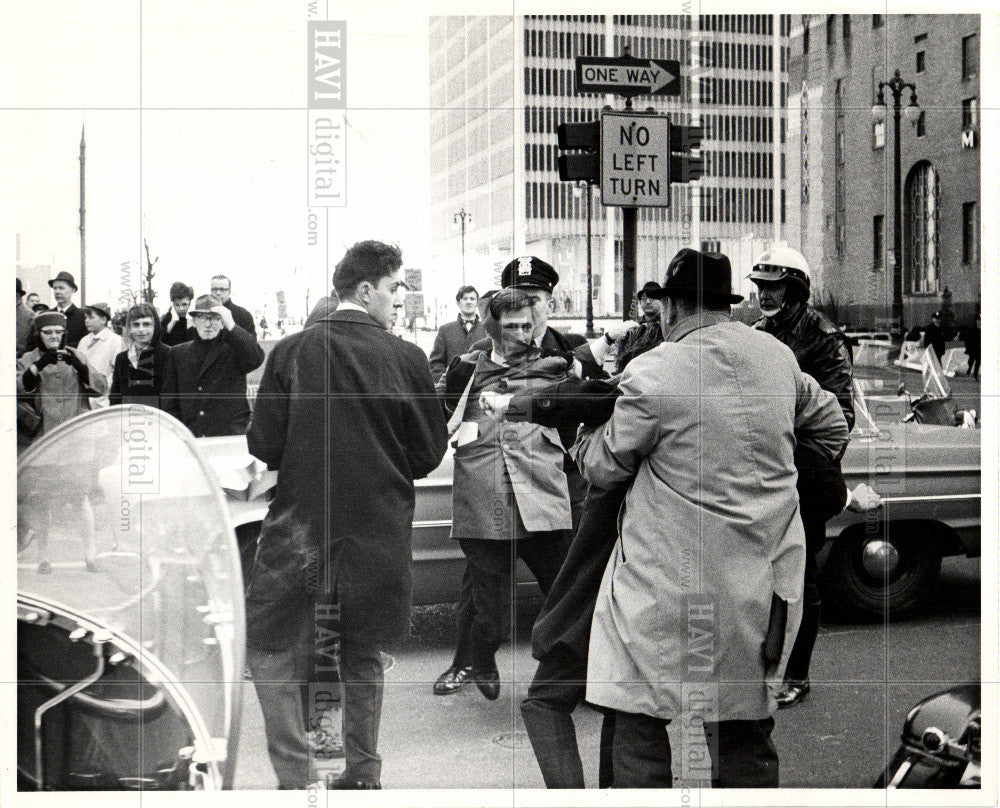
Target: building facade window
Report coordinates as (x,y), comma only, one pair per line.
(840,159)
(878,134)
(877,21)
(922,124)
(921,61)
(878,241)
(970,113)
(970,56)
(921,259)
(970,233)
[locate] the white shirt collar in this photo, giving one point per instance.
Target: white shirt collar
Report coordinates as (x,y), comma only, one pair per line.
(348,305)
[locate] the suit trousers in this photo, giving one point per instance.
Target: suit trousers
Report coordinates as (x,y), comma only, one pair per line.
(485,620)
(742,753)
(801,655)
(282,682)
(559,685)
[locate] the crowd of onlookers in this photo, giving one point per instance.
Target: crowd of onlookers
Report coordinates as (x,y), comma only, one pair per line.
(191,362)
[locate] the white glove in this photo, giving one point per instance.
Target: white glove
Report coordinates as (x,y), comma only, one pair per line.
(226,315)
(619,330)
(863,498)
(495,405)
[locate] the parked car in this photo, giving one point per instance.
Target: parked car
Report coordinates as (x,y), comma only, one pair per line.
(884,563)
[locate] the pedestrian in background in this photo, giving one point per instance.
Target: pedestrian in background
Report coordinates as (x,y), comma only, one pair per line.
(347,414)
(63,288)
(222,289)
(647,334)
(23,315)
(56,376)
(205,380)
(934,335)
(140,369)
(973,338)
(175,327)
(457,337)
(101,345)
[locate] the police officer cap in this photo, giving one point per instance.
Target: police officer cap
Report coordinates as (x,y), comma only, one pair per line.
(529,272)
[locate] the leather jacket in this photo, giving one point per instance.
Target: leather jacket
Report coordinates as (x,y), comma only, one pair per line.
(821,350)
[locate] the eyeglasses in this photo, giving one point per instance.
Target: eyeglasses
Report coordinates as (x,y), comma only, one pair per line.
(220,288)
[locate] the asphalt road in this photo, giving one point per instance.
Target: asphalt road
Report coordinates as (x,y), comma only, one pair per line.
(865,678)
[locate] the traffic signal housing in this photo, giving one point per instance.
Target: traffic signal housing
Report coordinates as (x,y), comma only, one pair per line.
(583,141)
(685,167)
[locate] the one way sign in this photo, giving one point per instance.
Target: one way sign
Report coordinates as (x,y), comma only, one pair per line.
(627,75)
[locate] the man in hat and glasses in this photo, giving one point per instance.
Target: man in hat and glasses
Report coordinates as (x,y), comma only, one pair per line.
(706,428)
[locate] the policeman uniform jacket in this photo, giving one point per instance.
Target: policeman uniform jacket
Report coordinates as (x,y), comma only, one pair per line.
(205,382)
(60,395)
(347,413)
(509,480)
(821,349)
(453,340)
(710,558)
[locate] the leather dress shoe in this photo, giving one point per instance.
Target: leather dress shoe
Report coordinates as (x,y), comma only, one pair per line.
(344,783)
(488,682)
(791,693)
(452,680)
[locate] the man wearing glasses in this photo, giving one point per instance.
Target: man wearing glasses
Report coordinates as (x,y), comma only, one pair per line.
(222,288)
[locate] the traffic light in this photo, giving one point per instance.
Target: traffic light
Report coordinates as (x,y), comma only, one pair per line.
(683,166)
(583,138)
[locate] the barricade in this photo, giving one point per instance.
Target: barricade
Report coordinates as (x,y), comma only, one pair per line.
(955,360)
(909,356)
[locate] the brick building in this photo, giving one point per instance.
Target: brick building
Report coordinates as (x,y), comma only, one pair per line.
(841,162)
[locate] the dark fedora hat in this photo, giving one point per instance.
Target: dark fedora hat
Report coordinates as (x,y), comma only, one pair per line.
(693,274)
(65,277)
(20,288)
(647,288)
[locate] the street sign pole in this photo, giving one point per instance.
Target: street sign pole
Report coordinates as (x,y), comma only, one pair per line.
(630,235)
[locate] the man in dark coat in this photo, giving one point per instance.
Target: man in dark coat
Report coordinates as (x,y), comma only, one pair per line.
(934,335)
(648,334)
(205,380)
(347,413)
(222,288)
(783,281)
(63,288)
(457,337)
(175,326)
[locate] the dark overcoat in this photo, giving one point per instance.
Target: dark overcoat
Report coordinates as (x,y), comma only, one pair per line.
(205,382)
(453,340)
(142,384)
(347,413)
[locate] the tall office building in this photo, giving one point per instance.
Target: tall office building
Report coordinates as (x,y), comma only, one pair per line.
(501,85)
(842,161)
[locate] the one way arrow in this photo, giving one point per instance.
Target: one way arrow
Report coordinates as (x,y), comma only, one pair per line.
(628,76)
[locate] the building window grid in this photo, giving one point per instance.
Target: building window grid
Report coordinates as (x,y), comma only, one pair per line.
(878,241)
(970,233)
(922,228)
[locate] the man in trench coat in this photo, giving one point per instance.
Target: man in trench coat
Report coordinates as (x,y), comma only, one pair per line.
(701,599)
(348,415)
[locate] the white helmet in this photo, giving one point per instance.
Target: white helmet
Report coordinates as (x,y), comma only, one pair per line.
(782,263)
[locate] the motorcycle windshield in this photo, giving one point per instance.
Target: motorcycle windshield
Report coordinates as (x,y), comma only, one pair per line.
(121,520)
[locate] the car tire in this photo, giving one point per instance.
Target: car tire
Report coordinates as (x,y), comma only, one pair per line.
(856,594)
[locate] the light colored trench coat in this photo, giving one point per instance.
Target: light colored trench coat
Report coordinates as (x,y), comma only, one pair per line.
(710,528)
(60,394)
(509,481)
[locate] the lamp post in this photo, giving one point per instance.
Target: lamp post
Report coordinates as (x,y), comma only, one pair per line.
(896,85)
(460,219)
(586,184)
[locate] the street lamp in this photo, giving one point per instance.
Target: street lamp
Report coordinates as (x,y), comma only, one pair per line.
(579,189)
(896,85)
(461,218)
